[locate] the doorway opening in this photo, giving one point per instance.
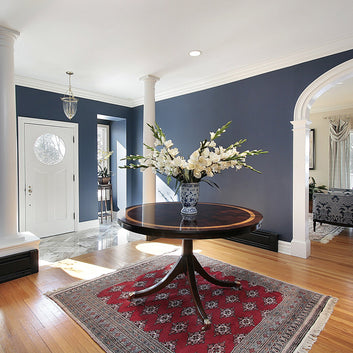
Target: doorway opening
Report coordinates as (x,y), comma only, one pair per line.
(111,137)
(300,245)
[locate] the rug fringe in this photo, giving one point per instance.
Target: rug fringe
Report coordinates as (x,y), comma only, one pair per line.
(311,337)
(327,238)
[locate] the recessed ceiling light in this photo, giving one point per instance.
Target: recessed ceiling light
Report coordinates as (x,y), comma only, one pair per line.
(195,53)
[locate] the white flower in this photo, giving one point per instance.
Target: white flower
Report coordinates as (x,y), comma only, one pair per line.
(194,155)
(207,160)
(168,143)
(204,161)
(214,157)
(197,174)
(173,152)
(209,172)
(212,144)
(178,162)
(205,152)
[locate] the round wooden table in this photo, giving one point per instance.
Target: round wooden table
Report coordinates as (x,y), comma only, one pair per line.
(212,221)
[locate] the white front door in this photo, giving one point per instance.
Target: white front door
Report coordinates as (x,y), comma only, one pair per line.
(49,179)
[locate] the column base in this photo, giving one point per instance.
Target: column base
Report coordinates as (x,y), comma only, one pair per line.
(17,243)
(18,256)
(301,249)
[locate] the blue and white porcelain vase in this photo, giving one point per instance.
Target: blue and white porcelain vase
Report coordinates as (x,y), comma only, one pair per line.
(189,197)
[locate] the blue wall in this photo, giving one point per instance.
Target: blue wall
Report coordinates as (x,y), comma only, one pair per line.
(261,109)
(40,104)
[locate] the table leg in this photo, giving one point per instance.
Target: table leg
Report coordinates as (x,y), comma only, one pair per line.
(188,264)
(195,293)
(179,267)
(201,271)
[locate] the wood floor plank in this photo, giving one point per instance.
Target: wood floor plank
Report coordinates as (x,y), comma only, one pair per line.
(30,322)
(68,337)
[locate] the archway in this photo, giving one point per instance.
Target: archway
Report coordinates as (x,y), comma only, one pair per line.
(300,245)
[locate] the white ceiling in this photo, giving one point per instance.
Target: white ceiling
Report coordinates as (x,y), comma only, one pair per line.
(110,44)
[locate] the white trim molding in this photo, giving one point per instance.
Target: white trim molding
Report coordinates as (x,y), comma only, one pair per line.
(300,245)
(88,225)
(57,88)
(284,247)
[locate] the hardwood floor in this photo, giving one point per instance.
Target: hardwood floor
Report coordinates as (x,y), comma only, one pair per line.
(30,322)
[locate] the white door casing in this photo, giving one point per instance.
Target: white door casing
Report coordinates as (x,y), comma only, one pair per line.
(48,178)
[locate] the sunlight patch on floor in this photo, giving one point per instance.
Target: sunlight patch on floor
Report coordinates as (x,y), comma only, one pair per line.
(80,269)
(155,248)
(44,263)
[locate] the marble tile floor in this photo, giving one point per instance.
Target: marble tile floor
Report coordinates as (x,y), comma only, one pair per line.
(68,245)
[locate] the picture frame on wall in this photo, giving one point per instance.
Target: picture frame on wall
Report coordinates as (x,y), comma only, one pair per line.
(312,149)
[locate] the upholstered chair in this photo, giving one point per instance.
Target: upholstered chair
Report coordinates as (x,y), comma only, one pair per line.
(334,207)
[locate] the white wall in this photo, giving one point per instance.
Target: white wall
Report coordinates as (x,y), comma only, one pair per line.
(321,125)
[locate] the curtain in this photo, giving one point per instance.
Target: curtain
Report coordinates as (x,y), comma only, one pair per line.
(339,154)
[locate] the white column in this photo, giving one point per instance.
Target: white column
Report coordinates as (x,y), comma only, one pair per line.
(9,238)
(300,245)
(149,116)
(8,156)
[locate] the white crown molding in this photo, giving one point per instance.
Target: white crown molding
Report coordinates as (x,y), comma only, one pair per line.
(54,87)
(205,83)
(254,70)
(330,108)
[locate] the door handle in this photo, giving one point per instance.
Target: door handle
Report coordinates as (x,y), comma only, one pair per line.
(30,190)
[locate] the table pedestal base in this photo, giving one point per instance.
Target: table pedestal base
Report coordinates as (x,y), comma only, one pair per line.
(187,264)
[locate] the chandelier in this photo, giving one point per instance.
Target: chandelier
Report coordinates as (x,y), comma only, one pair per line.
(69,101)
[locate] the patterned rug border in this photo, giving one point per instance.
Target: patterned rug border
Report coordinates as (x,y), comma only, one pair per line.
(312,330)
(328,231)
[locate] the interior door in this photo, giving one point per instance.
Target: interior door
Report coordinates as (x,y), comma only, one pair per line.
(49,179)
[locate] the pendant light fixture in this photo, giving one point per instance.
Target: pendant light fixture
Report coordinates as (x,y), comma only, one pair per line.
(69,101)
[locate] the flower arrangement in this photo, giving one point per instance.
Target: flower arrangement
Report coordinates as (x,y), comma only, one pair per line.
(103,158)
(208,160)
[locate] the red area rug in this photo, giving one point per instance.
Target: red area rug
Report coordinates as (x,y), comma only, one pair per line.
(266,315)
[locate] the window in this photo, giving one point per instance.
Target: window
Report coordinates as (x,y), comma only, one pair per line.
(49,149)
(102,145)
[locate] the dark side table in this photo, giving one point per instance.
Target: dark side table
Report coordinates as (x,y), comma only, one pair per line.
(212,221)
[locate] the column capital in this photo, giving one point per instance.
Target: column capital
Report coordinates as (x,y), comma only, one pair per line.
(300,124)
(5,31)
(150,78)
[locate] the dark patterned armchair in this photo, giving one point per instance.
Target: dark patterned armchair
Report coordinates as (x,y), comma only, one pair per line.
(335,207)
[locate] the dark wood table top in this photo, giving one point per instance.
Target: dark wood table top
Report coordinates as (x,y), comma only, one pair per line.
(212,220)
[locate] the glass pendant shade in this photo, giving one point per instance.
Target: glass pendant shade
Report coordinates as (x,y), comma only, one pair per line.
(69,101)
(69,106)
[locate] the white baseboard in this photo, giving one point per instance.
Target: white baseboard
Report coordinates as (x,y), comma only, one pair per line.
(94,223)
(284,247)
